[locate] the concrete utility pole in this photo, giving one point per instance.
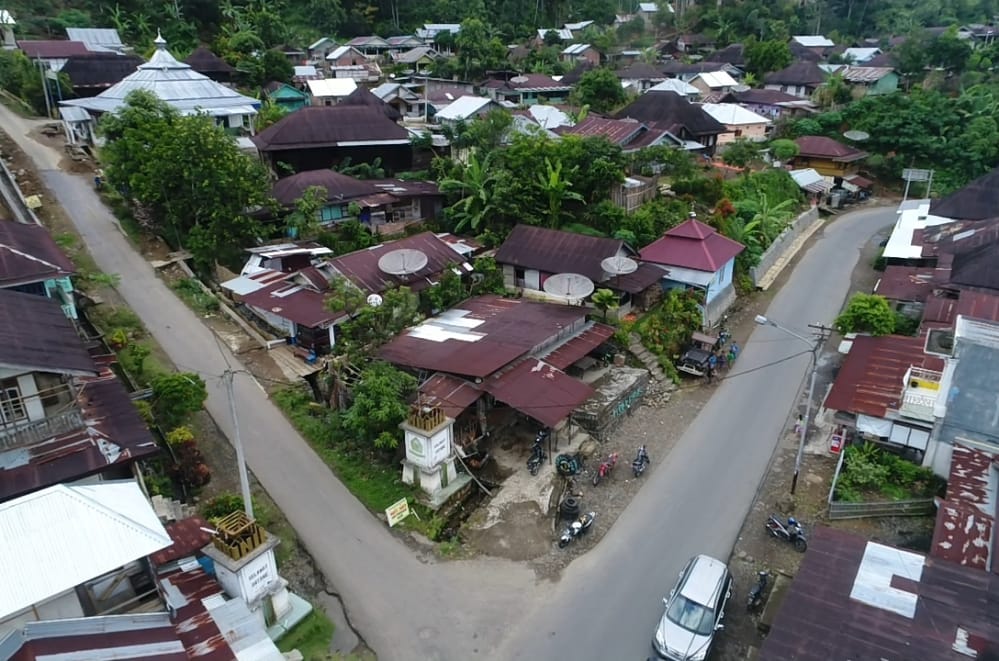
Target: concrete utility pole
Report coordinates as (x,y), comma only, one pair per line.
(237,440)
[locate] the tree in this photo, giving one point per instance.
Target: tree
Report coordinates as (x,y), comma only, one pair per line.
(177,396)
(783,149)
(379,405)
(303,222)
(373,325)
(741,153)
(269,113)
(763,57)
(557,189)
(475,187)
(605,300)
(600,89)
(867,313)
(448,291)
(487,276)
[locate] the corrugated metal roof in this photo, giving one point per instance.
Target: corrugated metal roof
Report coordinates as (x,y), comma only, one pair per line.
(675,85)
(976,201)
(537,389)
(28,253)
(717,79)
(813,41)
(909,283)
(571,351)
(556,251)
(332,87)
(865,74)
(97,38)
(450,393)
(188,536)
(328,126)
(35,335)
(361,266)
(819,146)
(966,519)
(810,180)
(732,114)
(464,108)
(62,536)
(52,49)
(101,638)
(692,245)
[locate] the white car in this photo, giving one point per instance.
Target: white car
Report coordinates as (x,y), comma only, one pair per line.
(694,610)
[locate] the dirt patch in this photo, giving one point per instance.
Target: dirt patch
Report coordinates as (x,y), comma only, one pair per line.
(533,533)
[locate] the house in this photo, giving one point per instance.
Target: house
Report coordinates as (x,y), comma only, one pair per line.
(677,86)
(578,26)
(527,89)
(52,54)
(798,79)
(205,62)
(433,32)
(407,102)
(852,594)
(64,416)
(319,49)
(363,97)
(405,42)
(977,200)
(696,43)
(580,53)
(93,73)
(323,136)
(383,205)
(98,40)
(713,82)
(686,71)
(301,73)
(813,184)
(978,34)
(733,54)
(329,91)
(293,54)
(770,103)
(32,263)
(639,76)
(870,80)
(371,45)
(628,134)
(420,58)
(740,122)
(345,56)
(465,109)
(181,87)
(285,96)
(695,256)
(670,111)
(544,35)
(829,157)
(78,551)
(814,43)
(549,117)
(860,55)
(530,255)
(575,74)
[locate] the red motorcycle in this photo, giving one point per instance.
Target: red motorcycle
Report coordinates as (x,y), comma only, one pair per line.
(606,466)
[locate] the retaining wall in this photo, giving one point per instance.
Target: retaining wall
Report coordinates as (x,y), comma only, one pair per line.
(784,243)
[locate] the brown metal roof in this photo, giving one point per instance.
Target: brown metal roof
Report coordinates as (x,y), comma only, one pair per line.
(329,126)
(51,49)
(579,346)
(451,393)
(88,639)
(629,134)
(189,536)
(537,389)
(361,266)
(203,60)
(966,519)
(637,282)
(339,187)
(555,251)
(870,381)
(99,70)
(666,109)
(482,335)
(820,620)
(976,201)
(909,283)
(194,625)
(35,335)
(29,254)
(818,146)
(295,302)
(797,73)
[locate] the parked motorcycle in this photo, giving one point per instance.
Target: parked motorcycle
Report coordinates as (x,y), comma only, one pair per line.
(757,592)
(538,454)
(606,466)
(791,532)
(641,462)
(576,528)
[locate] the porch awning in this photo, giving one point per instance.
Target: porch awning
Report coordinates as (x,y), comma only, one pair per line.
(579,346)
(537,389)
(452,394)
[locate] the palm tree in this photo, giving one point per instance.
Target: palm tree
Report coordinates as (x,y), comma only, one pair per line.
(476,190)
(556,188)
(605,300)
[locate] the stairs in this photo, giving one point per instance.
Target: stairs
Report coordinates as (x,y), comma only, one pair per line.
(647,359)
(169,511)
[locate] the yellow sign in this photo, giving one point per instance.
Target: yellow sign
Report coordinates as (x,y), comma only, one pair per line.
(397,511)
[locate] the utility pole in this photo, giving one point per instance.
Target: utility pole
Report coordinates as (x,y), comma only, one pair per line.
(244,481)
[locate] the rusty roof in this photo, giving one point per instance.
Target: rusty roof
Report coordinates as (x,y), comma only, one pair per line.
(296,302)
(577,347)
(557,251)
(132,636)
(482,335)
(942,309)
(52,49)
(835,612)
(537,389)
(627,133)
(361,266)
(870,380)
(909,283)
(451,393)
(194,624)
(35,335)
(966,519)
(113,434)
(188,537)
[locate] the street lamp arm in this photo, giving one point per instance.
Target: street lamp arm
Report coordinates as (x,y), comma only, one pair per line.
(763,321)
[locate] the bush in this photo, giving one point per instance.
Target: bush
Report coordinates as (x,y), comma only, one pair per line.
(867,313)
(222,505)
(880,474)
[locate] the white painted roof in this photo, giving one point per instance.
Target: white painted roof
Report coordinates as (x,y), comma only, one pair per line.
(715,79)
(813,41)
(319,42)
(873,582)
(910,219)
(464,107)
(340,51)
(581,25)
(336,87)
(575,49)
(860,55)
(732,114)
(565,34)
(6,18)
(809,179)
(304,70)
(681,87)
(60,537)
(549,117)
(97,39)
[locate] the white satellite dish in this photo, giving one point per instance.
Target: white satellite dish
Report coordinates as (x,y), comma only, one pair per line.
(856,136)
(619,265)
(374,300)
(519,79)
(569,285)
(402,262)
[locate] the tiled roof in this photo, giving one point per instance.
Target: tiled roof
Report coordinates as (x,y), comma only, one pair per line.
(29,254)
(870,380)
(817,146)
(328,126)
(692,245)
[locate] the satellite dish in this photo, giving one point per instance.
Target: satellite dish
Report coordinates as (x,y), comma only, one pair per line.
(374,300)
(569,285)
(519,79)
(619,265)
(857,136)
(402,262)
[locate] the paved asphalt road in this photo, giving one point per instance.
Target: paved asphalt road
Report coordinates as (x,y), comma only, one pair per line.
(407,607)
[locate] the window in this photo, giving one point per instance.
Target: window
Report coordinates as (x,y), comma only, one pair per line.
(738,133)
(11,405)
(331,214)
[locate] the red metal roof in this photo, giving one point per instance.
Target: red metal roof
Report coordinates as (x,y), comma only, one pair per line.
(482,335)
(292,301)
(858,181)
(451,393)
(942,310)
(29,254)
(194,624)
(579,346)
(692,245)
(91,638)
(966,519)
(188,537)
(820,619)
(537,389)
(361,266)
(52,49)
(621,132)
(908,283)
(817,146)
(870,381)
(557,251)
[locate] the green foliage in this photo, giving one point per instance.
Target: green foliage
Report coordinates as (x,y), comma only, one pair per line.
(600,89)
(347,236)
(145,410)
(194,294)
(783,149)
(222,506)
(379,405)
(605,300)
(763,57)
(741,153)
(446,293)
(179,436)
(270,113)
(176,397)
(138,353)
(666,329)
(304,222)
(492,276)
(372,325)
(867,313)
(312,636)
(906,325)
(872,473)
(22,78)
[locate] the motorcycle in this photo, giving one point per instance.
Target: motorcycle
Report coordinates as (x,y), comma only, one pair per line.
(756,593)
(606,466)
(641,462)
(538,454)
(576,528)
(791,532)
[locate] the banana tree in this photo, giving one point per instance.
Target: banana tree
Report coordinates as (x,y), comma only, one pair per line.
(556,188)
(476,190)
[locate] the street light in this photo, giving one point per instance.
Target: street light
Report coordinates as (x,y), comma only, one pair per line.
(814,348)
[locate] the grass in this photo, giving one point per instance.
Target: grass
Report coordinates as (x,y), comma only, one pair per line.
(311,637)
(194,295)
(119,207)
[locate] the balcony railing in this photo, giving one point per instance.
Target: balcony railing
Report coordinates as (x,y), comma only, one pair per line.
(919,395)
(36,431)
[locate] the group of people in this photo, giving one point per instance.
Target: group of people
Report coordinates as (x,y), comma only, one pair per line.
(721,358)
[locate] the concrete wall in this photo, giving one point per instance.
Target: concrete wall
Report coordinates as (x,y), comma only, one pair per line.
(783,243)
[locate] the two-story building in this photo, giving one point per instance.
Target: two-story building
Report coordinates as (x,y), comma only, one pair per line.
(829,157)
